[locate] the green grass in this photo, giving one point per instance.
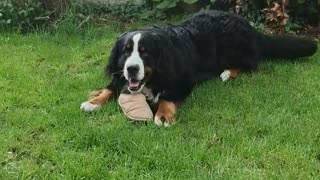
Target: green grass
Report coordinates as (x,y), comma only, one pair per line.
(264,125)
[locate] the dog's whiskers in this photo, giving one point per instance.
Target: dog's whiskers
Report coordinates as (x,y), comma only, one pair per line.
(118,72)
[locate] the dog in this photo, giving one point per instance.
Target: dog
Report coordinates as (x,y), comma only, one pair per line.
(170,60)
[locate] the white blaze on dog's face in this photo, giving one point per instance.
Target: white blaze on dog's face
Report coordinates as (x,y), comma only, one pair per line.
(134,68)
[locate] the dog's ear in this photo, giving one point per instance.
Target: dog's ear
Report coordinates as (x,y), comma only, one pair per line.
(113,59)
(121,35)
(112,65)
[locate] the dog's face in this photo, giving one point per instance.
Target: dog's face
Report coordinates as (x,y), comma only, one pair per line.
(135,55)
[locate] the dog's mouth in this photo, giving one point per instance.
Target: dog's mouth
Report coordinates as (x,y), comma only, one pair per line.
(135,85)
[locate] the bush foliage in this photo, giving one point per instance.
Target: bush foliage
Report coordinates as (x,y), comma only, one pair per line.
(23,14)
(275,15)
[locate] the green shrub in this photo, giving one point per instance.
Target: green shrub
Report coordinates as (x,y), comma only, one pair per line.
(26,15)
(278,15)
(124,12)
(305,10)
(23,14)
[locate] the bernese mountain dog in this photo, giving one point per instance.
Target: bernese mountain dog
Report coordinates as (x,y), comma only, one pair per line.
(170,60)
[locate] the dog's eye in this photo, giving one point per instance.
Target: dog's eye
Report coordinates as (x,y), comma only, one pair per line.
(127,50)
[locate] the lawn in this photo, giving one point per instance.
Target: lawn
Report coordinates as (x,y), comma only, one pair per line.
(264,125)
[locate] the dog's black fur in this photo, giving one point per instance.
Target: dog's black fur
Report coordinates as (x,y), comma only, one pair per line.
(200,48)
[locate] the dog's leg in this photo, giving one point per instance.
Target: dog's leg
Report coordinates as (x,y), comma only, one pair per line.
(97,99)
(229,73)
(166,113)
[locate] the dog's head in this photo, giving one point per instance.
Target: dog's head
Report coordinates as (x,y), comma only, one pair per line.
(135,56)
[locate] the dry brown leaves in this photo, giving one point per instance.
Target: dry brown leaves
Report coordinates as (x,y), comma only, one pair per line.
(276,15)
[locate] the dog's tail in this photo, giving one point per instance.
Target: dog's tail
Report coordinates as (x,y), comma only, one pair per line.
(286,46)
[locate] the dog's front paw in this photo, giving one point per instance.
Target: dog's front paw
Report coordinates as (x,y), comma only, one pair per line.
(165,114)
(166,120)
(89,107)
(96,100)
(225,75)
(229,73)
(157,121)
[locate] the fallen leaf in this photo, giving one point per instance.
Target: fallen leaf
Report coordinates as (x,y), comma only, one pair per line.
(275,7)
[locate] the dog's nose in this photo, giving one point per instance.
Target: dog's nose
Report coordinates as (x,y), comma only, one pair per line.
(133,70)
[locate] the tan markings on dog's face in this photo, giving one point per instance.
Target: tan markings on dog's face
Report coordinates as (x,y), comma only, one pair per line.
(147,73)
